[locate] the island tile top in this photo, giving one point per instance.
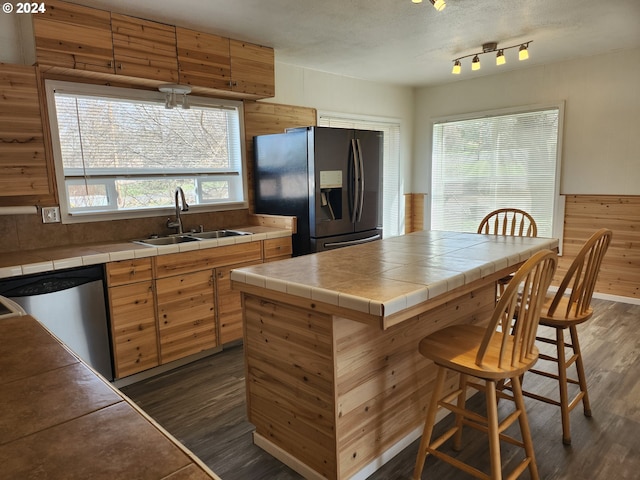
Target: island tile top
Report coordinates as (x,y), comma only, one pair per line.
(385,277)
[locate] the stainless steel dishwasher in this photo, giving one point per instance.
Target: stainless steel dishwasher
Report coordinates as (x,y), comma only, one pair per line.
(71,304)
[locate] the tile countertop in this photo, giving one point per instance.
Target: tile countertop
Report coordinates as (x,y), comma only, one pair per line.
(61,420)
(45,260)
(386,277)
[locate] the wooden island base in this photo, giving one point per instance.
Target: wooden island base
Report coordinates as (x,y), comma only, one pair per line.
(336,385)
(335,398)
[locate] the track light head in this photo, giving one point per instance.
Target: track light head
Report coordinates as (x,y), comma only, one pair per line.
(523,52)
(475,63)
(457,67)
(439,5)
(500,58)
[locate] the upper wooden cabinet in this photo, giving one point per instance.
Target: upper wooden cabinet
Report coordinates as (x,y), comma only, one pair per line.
(252,69)
(145,49)
(23,166)
(203,59)
(81,39)
(73,36)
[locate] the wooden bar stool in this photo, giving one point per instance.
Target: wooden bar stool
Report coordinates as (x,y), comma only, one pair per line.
(562,312)
(512,222)
(489,355)
(509,221)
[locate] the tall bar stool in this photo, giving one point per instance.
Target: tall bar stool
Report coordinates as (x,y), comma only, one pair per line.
(562,312)
(489,355)
(508,221)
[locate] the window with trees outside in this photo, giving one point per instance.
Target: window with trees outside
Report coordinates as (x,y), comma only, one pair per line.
(497,160)
(120,153)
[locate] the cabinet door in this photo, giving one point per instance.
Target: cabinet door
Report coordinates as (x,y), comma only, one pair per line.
(229,304)
(203,59)
(145,49)
(252,70)
(186,314)
(23,166)
(133,328)
(73,36)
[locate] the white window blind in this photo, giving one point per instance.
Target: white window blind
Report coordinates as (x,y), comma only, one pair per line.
(500,161)
(391,163)
(119,151)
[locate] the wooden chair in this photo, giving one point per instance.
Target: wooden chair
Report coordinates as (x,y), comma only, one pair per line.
(562,312)
(490,355)
(509,221)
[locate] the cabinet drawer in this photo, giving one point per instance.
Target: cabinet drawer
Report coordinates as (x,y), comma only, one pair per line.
(128,271)
(185,262)
(277,247)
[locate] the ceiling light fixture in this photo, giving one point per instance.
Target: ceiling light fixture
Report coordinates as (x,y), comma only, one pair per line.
(172,92)
(437,4)
(523,54)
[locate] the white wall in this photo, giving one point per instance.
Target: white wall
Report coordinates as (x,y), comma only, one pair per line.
(601,141)
(334,93)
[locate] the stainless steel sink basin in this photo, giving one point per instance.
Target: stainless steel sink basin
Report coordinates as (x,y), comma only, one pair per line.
(218,234)
(168,240)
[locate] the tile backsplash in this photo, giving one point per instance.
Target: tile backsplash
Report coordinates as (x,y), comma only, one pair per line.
(27,232)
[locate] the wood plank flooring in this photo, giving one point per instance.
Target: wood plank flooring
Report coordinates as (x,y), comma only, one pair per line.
(203,405)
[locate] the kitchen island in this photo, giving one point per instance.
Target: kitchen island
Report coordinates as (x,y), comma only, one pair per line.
(335,383)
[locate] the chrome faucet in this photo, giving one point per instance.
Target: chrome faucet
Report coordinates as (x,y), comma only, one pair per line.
(177,223)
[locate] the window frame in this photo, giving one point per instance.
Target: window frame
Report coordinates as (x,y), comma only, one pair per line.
(119,93)
(558,201)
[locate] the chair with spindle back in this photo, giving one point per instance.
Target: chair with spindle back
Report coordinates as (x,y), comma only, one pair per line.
(569,307)
(508,221)
(490,355)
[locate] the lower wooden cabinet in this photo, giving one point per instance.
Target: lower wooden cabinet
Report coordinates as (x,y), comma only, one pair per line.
(133,316)
(229,304)
(168,307)
(186,314)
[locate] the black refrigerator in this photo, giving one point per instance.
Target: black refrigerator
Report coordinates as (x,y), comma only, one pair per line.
(329,178)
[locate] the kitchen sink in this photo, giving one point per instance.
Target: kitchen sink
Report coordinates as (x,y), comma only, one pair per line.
(217,234)
(188,237)
(168,240)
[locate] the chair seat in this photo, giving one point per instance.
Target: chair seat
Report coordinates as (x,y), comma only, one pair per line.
(559,319)
(456,347)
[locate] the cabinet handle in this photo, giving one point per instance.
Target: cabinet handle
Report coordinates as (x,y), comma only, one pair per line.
(120,66)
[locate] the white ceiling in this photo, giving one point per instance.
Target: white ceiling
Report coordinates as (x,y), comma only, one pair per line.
(396,41)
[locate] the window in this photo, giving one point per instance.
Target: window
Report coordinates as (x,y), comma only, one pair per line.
(120,153)
(391,163)
(496,161)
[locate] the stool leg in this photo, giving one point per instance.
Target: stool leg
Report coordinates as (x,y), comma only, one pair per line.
(462,399)
(524,427)
(494,438)
(429,422)
(582,379)
(562,384)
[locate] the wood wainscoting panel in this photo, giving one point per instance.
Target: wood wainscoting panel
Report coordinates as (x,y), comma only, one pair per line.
(584,214)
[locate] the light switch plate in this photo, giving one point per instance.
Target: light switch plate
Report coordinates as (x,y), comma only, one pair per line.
(50,215)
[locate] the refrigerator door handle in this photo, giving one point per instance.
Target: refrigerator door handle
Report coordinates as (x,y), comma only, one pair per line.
(361,179)
(356,194)
(353,242)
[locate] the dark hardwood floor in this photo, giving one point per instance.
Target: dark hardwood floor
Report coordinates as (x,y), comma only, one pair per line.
(202,405)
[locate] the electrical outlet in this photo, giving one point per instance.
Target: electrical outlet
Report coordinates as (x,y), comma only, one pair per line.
(50,215)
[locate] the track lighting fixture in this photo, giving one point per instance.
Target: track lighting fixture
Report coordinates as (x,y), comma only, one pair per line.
(437,4)
(523,54)
(172,91)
